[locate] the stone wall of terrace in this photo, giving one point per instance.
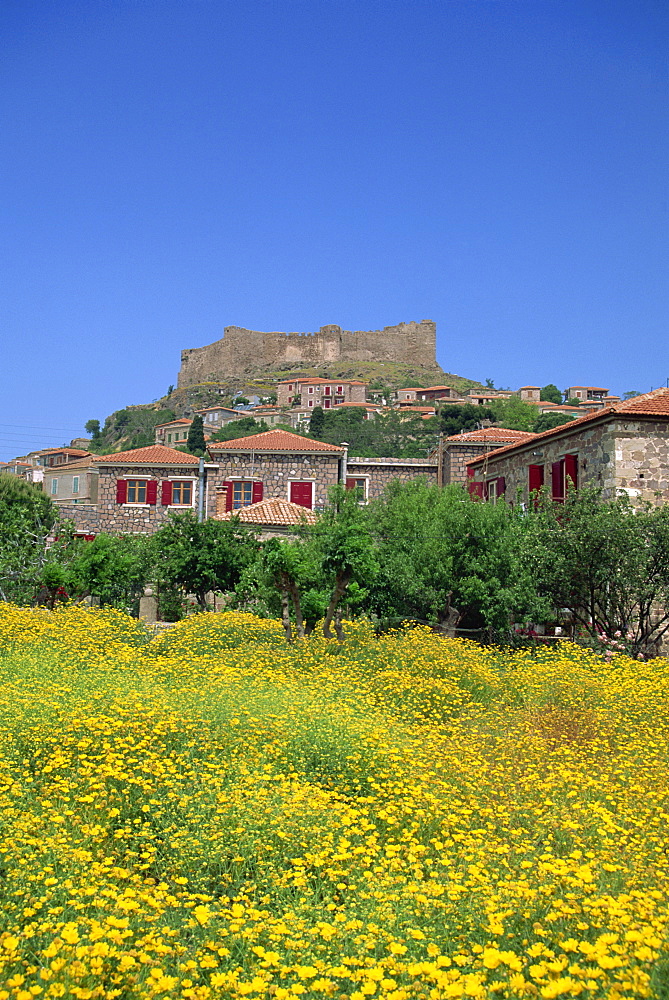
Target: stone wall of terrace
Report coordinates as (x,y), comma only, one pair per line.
(381,471)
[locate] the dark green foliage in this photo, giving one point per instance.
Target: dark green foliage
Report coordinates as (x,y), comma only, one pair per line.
(195,442)
(389,435)
(27,518)
(199,558)
(514,413)
(317,422)
(463,417)
(547,421)
(113,569)
(92,427)
(239,428)
(447,559)
(550,394)
(129,428)
(604,560)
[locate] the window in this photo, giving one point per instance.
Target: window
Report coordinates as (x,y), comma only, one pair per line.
(75,484)
(340,389)
(242,495)
(326,390)
(54,487)
(169,439)
(491,489)
(177,493)
(311,390)
(310,402)
(136,491)
(359,485)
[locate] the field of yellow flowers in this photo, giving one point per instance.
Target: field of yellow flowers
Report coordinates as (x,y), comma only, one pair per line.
(213,813)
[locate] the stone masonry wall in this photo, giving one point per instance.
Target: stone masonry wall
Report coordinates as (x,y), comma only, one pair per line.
(382,470)
(624,453)
(457,455)
(241,350)
(275,471)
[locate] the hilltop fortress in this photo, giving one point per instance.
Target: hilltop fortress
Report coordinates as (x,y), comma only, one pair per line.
(241,351)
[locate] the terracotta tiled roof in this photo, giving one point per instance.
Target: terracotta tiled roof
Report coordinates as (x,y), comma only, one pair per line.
(274,512)
(492,434)
(155,454)
(322,381)
(177,420)
(650,404)
(79,452)
(274,441)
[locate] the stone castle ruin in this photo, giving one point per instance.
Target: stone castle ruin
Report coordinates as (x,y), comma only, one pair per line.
(241,351)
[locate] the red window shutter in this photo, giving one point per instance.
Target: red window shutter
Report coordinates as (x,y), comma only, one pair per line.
(571,470)
(166,492)
(227,486)
(350,484)
(256,496)
(301,493)
(501,486)
(121,491)
(536,477)
(557,481)
(475,490)
(151,491)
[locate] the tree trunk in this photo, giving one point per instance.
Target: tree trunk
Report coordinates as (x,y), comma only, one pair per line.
(285,615)
(341,583)
(295,596)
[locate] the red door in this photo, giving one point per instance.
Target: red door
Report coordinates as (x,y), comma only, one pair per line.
(302,493)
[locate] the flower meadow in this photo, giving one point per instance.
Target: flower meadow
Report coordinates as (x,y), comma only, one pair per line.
(210,812)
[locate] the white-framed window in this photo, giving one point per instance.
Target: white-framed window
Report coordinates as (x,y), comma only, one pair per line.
(326,390)
(311,402)
(54,487)
(242,494)
(182,493)
(75,484)
(136,491)
(492,490)
(361,486)
(311,390)
(340,389)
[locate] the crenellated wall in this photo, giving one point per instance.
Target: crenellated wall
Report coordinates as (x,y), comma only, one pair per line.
(240,351)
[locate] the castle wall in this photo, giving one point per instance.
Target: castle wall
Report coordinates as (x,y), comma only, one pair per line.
(240,351)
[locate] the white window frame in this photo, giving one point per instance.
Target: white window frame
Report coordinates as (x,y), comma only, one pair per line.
(54,487)
(75,484)
(491,490)
(365,489)
(193,485)
(135,503)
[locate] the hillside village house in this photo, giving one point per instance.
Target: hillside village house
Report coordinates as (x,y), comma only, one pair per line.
(458,449)
(174,432)
(129,492)
(320,392)
(621,447)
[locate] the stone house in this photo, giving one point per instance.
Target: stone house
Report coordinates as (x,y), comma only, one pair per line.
(129,492)
(414,394)
(621,447)
(174,432)
(458,449)
(370,476)
(320,392)
(274,463)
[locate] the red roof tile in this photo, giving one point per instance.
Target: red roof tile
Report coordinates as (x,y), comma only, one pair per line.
(492,434)
(273,512)
(274,441)
(155,454)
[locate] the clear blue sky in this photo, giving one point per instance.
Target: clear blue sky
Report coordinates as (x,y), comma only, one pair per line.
(172,167)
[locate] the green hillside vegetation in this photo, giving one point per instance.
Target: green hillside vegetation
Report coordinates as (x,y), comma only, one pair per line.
(132,427)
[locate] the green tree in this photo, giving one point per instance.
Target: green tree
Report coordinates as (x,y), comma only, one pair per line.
(284,564)
(112,568)
(455,418)
(606,561)
(242,427)
(27,520)
(514,414)
(447,559)
(550,394)
(345,551)
(92,427)
(547,421)
(202,557)
(195,443)
(317,422)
